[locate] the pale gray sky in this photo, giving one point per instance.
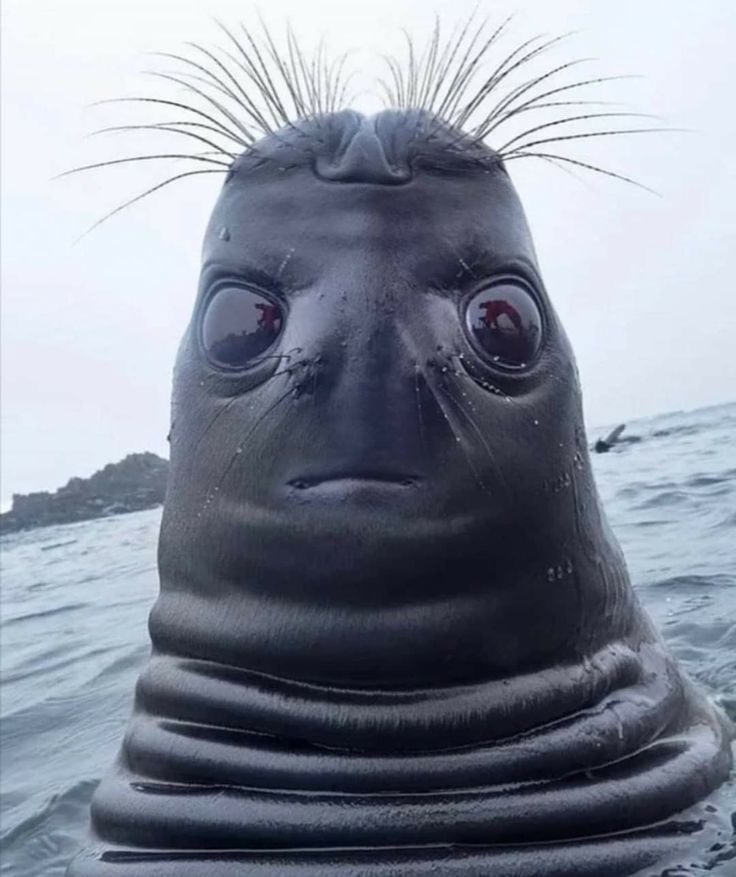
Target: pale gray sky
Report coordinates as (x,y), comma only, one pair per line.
(643,284)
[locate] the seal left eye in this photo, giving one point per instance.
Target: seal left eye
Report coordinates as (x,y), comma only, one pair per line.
(239,325)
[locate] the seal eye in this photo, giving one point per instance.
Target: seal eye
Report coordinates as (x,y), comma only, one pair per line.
(506,323)
(239,325)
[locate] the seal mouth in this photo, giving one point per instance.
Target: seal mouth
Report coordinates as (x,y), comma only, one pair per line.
(357,478)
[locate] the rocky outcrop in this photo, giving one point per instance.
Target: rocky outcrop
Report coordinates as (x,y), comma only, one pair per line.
(136,482)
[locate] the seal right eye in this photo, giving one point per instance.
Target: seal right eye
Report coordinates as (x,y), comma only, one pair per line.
(505,323)
(239,325)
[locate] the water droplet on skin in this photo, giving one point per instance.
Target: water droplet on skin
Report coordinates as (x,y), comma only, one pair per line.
(224,234)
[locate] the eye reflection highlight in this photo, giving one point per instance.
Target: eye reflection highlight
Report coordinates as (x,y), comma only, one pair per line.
(240,325)
(506,324)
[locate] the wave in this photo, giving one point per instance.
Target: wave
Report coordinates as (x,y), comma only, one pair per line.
(80,794)
(44,613)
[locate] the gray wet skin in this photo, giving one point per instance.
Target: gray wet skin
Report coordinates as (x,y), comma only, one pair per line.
(395,634)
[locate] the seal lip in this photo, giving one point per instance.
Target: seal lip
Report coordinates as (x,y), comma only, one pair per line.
(516,279)
(347,477)
(228,282)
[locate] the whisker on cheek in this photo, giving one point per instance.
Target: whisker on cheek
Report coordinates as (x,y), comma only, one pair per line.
(457,434)
(212,493)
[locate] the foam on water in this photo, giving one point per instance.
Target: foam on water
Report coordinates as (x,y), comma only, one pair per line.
(76,600)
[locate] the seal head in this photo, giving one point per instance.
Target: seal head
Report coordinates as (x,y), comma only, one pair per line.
(395,634)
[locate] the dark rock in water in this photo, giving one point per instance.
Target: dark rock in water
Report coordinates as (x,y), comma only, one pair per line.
(136,482)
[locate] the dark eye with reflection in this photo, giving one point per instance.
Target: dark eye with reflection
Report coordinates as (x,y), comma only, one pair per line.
(506,324)
(239,326)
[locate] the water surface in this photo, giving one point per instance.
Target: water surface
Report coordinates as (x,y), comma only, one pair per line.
(76,600)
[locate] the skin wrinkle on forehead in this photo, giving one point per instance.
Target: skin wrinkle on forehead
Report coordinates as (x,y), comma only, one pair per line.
(430,230)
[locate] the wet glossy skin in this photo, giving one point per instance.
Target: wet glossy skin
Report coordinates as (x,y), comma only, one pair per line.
(429,500)
(395,635)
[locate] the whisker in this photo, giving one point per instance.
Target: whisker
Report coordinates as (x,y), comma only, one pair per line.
(210,78)
(506,109)
(456,435)
(99,164)
(568,121)
(510,106)
(239,449)
(230,402)
(145,195)
(479,433)
(586,165)
(505,69)
(182,106)
(588,135)
(464,83)
(257,73)
(171,128)
(244,99)
(207,97)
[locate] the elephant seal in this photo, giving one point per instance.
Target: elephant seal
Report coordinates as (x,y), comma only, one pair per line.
(395,635)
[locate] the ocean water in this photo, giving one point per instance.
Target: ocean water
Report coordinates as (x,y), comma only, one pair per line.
(76,600)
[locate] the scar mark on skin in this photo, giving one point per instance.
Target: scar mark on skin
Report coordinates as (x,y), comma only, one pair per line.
(465,267)
(284,262)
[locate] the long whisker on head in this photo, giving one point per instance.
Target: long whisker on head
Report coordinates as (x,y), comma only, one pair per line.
(582,164)
(463,84)
(524,146)
(569,120)
(243,138)
(510,107)
(168,156)
(147,193)
(172,128)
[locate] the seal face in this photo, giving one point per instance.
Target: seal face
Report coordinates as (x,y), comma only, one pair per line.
(395,634)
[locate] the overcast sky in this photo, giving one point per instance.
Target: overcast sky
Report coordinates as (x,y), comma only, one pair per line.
(643,284)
